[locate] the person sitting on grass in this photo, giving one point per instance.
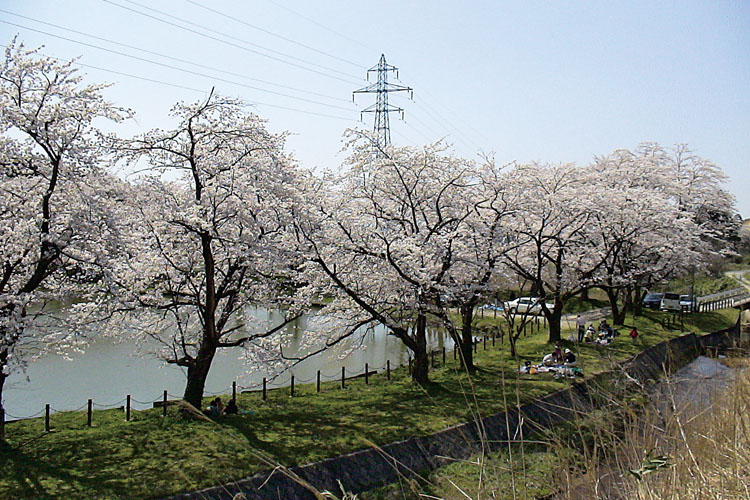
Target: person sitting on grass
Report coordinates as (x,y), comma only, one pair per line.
(215,408)
(231,408)
(570,358)
(589,336)
(549,359)
(558,353)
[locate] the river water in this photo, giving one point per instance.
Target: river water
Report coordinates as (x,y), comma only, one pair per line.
(107,371)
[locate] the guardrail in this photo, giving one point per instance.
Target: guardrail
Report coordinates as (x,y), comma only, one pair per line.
(721,300)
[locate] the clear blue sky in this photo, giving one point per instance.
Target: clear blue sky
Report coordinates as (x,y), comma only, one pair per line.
(551,81)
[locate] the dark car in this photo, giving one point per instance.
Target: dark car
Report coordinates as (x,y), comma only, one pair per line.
(653,300)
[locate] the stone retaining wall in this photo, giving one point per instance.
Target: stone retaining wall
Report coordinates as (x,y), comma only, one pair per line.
(369,468)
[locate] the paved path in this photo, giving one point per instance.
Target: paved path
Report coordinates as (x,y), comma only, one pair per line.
(739,276)
(588,316)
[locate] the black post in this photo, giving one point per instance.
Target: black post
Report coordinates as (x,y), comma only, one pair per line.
(367,374)
(443,355)
(164,408)
(264,388)
(388,368)
(455,351)
(475,345)
(291,393)
(343,377)
(127,408)
(317,385)
(485,342)
(46,417)
(493,339)
(234,391)
(91,408)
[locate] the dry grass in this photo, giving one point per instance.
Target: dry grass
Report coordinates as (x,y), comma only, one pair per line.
(688,441)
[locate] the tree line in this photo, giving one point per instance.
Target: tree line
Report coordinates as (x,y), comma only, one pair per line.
(217,217)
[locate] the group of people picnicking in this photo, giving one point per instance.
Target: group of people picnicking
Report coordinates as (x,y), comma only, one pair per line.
(217,408)
(562,363)
(604,335)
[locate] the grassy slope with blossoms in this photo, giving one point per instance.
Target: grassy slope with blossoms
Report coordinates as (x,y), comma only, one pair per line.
(151,457)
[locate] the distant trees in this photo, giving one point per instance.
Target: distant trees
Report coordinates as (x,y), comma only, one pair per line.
(55,210)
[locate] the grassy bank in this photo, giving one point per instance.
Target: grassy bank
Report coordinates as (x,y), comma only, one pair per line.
(641,448)
(153,456)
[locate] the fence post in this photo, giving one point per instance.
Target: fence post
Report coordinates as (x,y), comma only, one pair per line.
(388,368)
(485,342)
(264,388)
(291,393)
(46,417)
(475,345)
(455,351)
(367,374)
(443,355)
(91,408)
(127,408)
(164,408)
(234,391)
(493,339)
(317,384)
(343,377)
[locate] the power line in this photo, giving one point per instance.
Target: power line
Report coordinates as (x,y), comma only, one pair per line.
(268,32)
(184,87)
(230,43)
(176,68)
(185,61)
(299,14)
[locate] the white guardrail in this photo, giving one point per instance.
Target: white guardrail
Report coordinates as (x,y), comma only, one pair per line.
(721,300)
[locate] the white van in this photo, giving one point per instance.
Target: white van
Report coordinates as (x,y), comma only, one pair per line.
(671,302)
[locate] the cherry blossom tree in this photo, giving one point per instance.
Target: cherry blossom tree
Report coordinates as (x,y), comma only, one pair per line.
(209,237)
(660,217)
(475,265)
(55,206)
(389,232)
(550,227)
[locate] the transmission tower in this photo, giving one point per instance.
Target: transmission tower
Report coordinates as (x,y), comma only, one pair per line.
(381,108)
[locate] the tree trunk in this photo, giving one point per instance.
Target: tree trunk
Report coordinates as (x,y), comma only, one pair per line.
(637,303)
(554,320)
(420,369)
(618,315)
(467,339)
(3,376)
(197,372)
(512,337)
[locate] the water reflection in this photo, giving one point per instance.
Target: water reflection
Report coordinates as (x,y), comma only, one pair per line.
(108,371)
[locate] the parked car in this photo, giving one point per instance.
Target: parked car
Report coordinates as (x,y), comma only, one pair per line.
(670,302)
(526,305)
(688,303)
(652,300)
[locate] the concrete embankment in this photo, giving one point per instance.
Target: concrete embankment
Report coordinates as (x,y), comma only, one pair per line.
(373,467)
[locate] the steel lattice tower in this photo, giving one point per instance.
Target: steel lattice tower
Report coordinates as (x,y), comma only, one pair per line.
(381,108)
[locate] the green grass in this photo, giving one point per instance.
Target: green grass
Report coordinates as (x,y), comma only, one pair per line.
(153,456)
(488,477)
(704,285)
